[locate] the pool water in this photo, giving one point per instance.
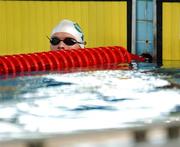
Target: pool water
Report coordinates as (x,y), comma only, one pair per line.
(57,103)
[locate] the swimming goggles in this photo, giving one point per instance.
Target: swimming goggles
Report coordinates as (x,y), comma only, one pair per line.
(68,41)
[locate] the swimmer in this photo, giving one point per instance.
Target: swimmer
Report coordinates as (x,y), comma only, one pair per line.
(67,35)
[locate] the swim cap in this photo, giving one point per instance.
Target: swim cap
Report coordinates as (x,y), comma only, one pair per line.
(72,28)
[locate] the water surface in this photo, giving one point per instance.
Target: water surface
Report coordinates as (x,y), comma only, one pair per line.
(56,103)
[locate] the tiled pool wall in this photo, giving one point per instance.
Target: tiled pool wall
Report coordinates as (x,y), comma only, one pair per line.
(144,26)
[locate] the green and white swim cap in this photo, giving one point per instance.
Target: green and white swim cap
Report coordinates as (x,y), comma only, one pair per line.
(72,28)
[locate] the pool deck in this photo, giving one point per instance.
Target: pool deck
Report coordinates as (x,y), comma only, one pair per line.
(165,134)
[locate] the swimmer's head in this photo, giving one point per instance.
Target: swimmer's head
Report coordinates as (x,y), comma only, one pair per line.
(68,29)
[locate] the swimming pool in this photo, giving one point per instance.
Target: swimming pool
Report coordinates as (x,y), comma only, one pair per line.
(64,103)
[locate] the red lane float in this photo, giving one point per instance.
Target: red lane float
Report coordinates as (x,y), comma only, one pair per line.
(65,59)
